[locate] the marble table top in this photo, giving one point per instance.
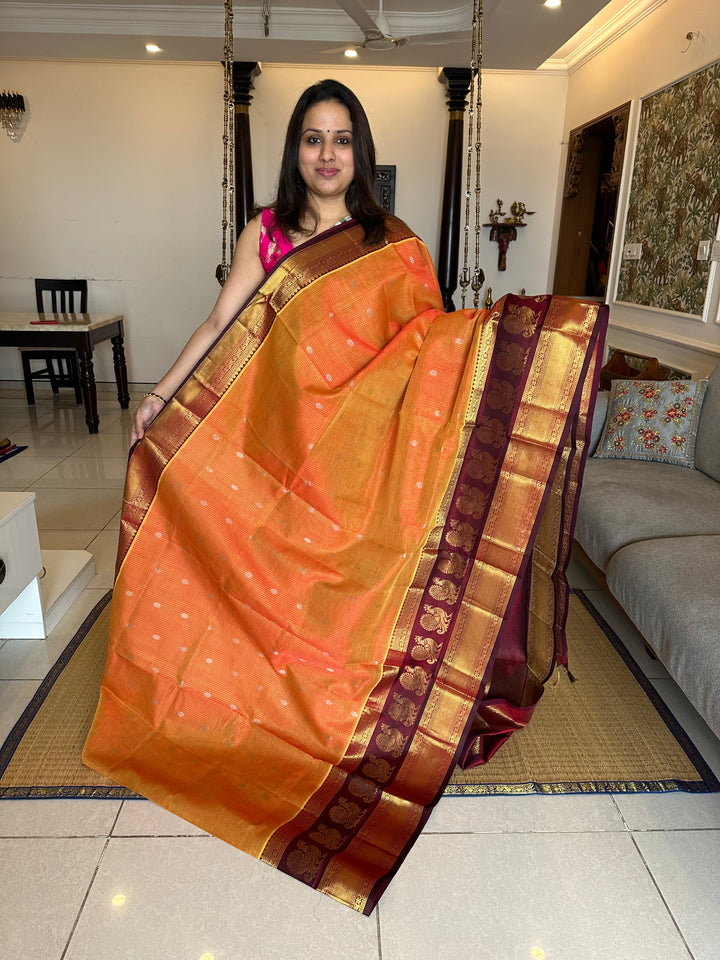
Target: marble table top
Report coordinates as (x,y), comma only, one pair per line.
(18,320)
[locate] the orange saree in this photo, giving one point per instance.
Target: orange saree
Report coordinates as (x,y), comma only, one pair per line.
(342,556)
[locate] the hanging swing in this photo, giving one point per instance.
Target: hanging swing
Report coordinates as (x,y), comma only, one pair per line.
(474,280)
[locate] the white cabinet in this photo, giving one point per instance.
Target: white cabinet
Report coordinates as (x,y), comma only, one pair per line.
(36,587)
(19,546)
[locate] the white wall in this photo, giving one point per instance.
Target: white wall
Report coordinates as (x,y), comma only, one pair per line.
(117,179)
(643,60)
(408,117)
(522,125)
(522,117)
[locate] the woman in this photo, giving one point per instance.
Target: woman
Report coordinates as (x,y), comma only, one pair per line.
(327,176)
(343,542)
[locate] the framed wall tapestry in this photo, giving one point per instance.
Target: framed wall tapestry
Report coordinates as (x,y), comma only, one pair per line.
(675,196)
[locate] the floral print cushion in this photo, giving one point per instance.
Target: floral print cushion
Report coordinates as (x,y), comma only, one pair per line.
(653,420)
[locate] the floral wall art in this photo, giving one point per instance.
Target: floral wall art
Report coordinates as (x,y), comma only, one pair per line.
(675,195)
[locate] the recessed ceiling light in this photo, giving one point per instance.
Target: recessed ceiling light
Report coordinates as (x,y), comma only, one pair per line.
(553,3)
(351,52)
(152,48)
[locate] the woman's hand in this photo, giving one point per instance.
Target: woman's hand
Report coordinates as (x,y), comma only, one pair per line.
(149,408)
(246,273)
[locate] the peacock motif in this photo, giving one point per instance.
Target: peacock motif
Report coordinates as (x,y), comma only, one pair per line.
(390,741)
(500,395)
(327,836)
(377,769)
(403,710)
(490,430)
(362,789)
(414,679)
(461,535)
(520,320)
(425,649)
(472,501)
(346,813)
(304,861)
(435,620)
(453,564)
(512,358)
(444,590)
(482,465)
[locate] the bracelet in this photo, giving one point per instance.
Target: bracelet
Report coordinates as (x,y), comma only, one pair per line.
(156,395)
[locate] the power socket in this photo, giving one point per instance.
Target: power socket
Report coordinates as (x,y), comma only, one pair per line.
(632,251)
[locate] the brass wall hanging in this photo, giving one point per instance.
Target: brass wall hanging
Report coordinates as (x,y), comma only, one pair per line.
(503,227)
(12,114)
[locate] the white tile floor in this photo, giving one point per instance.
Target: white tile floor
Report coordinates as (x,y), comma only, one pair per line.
(504,878)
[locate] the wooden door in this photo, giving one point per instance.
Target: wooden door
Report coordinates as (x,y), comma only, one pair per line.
(587,220)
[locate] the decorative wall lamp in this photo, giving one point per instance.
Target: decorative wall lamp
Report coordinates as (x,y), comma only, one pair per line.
(503,227)
(12,114)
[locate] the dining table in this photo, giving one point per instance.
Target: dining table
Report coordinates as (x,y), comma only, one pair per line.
(72,331)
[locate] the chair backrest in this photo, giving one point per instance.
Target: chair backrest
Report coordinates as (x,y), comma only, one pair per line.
(62,294)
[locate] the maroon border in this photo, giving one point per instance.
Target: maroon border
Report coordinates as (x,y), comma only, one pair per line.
(346,811)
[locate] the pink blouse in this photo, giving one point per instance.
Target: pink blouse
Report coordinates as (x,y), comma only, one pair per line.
(273,242)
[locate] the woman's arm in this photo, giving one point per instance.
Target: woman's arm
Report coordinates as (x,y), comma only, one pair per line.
(246,272)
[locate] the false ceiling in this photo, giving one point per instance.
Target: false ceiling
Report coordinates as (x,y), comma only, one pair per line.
(517,34)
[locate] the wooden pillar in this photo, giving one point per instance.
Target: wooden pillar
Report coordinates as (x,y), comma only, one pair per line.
(457,82)
(244,72)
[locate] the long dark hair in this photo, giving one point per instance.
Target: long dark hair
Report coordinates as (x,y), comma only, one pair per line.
(291,207)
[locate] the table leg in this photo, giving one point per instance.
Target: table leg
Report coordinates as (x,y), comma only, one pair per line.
(87,382)
(120,371)
(27,377)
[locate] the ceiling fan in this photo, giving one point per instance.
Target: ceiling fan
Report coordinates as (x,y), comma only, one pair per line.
(378,35)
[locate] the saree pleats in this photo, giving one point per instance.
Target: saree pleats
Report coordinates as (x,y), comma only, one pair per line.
(342,557)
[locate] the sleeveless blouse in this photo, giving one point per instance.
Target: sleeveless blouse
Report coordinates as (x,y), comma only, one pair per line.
(273,242)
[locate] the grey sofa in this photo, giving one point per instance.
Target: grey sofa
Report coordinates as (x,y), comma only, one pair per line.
(653,530)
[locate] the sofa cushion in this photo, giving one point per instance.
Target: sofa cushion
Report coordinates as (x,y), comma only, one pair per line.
(670,589)
(707,447)
(653,420)
(623,501)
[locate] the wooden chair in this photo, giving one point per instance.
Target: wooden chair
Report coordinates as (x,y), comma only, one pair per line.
(60,366)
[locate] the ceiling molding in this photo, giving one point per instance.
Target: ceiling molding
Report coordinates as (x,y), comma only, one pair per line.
(548,69)
(288,23)
(589,42)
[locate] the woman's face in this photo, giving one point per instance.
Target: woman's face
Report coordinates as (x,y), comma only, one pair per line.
(325,157)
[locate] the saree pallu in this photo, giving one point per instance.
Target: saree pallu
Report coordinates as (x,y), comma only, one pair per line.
(342,558)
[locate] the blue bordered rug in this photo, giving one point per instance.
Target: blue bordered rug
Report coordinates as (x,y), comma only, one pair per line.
(608,732)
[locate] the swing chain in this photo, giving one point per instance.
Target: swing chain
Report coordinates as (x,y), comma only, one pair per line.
(474,129)
(228,141)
